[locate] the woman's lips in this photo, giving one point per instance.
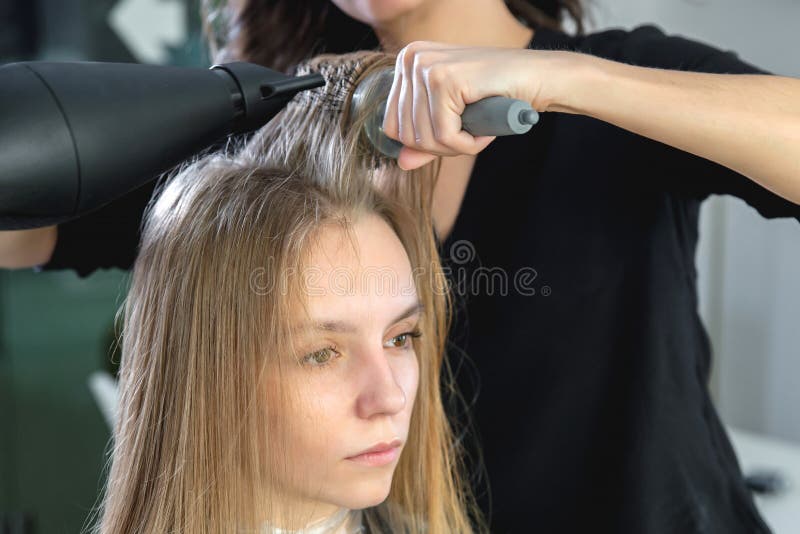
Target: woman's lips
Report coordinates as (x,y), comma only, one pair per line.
(378,455)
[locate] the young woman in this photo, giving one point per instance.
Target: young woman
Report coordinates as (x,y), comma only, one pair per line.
(593,407)
(283,341)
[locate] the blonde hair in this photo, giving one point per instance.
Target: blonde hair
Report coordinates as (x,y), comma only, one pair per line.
(199,327)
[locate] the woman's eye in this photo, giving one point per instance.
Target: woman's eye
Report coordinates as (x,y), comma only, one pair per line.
(403,341)
(320,358)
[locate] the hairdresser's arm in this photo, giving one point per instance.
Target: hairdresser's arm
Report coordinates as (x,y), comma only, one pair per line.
(748,123)
(27,248)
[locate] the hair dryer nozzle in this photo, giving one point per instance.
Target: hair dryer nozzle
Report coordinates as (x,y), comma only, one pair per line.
(263,92)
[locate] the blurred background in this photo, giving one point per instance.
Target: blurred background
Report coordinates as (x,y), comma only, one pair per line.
(57,329)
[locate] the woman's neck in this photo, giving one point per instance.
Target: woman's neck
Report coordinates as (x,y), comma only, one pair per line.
(462,22)
(342,521)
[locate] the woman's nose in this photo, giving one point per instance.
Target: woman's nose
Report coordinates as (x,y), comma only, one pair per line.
(381,391)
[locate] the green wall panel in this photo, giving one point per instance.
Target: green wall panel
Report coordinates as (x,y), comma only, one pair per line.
(56,330)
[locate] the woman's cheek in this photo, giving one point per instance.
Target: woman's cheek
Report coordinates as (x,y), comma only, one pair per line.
(410,381)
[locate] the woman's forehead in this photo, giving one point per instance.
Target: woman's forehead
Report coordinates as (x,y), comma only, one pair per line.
(368,259)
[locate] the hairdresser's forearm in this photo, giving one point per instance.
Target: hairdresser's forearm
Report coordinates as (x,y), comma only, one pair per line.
(748,123)
(27,248)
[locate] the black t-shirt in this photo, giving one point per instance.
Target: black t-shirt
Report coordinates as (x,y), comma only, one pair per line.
(572,262)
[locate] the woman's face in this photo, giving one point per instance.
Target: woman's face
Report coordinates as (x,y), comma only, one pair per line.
(355,385)
(377,12)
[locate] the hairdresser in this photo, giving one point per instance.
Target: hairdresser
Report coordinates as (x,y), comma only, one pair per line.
(589,361)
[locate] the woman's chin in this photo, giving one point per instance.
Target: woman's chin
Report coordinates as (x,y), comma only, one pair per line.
(365,493)
(377,12)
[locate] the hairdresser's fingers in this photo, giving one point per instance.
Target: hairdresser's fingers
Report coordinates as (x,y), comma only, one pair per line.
(405,107)
(446,104)
(413,159)
(446,117)
(438,127)
(390,117)
(427,138)
(424,135)
(398,117)
(428,65)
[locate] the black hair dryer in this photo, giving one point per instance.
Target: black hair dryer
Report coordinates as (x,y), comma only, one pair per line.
(75,136)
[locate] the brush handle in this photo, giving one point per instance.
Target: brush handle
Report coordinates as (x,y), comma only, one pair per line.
(498,115)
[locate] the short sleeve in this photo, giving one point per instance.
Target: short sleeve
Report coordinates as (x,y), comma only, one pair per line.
(678,171)
(105,238)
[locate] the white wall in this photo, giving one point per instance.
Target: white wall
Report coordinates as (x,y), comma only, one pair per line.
(749,267)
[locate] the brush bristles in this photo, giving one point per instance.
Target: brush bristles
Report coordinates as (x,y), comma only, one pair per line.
(341,72)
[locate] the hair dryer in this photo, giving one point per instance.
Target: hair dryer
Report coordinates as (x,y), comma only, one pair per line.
(75,136)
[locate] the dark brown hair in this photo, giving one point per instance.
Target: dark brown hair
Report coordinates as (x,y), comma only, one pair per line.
(280,33)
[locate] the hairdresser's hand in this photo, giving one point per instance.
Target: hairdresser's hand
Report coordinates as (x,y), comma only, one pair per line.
(433,82)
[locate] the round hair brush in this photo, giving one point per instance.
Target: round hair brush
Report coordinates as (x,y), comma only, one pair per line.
(493,116)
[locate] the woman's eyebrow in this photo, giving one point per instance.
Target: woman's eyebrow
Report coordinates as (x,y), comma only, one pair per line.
(348,327)
(414,309)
